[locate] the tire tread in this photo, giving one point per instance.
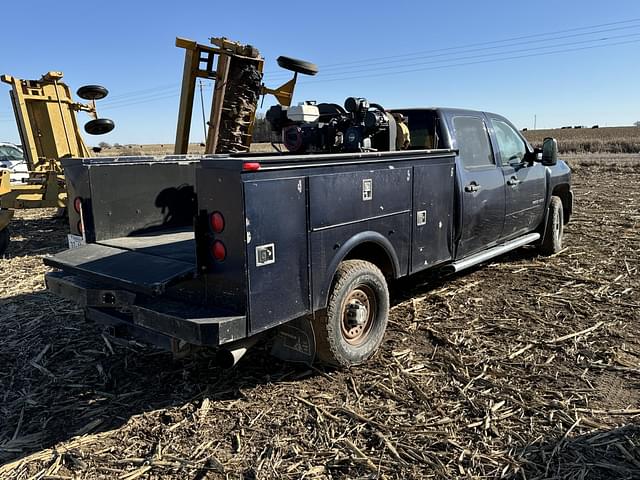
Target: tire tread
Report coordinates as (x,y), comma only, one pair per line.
(550,244)
(326,332)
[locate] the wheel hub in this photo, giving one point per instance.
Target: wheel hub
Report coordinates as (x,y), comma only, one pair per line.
(357,316)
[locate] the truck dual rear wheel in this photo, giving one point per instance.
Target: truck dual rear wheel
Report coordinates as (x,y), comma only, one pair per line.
(4,240)
(351,329)
(552,241)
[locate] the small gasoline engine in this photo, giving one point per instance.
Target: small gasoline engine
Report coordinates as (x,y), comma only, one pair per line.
(330,128)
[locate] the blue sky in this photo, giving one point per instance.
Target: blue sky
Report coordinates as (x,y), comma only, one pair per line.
(504,56)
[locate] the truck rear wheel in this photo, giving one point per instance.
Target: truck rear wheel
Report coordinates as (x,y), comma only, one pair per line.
(4,240)
(351,329)
(552,241)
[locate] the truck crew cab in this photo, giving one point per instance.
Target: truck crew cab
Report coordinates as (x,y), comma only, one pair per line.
(218,250)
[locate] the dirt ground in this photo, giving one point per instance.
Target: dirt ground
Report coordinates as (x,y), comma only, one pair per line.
(524,368)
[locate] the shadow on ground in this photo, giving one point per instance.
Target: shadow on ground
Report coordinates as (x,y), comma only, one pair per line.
(62,377)
(32,235)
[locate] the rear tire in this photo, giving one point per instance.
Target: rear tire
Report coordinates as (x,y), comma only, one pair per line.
(352,327)
(552,241)
(4,240)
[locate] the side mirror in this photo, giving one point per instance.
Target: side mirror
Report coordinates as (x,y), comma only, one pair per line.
(549,151)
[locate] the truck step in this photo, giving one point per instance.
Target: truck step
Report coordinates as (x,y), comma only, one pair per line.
(493,252)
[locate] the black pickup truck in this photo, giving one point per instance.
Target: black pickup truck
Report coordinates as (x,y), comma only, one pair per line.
(219,250)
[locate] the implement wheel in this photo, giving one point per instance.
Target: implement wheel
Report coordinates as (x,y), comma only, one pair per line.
(351,329)
(92,92)
(99,126)
(4,240)
(299,66)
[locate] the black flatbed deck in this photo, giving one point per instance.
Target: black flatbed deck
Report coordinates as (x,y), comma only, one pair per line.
(177,245)
(166,256)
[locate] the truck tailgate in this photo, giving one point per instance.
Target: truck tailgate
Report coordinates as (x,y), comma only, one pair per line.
(133,270)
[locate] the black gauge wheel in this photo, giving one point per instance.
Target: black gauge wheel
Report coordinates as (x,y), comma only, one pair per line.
(92,92)
(295,65)
(100,126)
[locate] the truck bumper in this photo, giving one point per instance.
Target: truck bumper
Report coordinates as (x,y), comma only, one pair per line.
(159,321)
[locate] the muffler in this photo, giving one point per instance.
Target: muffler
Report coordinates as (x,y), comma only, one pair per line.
(228,356)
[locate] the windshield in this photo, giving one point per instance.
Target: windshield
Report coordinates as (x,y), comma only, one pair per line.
(7,152)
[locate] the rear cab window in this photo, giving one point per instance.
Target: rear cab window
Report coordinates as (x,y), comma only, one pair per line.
(424,127)
(472,140)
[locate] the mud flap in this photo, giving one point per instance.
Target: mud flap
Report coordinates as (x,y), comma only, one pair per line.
(5,218)
(295,341)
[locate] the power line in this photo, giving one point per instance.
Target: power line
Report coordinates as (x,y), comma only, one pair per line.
(156,90)
(508,52)
(466,46)
(134,93)
(406,58)
(439,67)
(134,102)
(398,72)
(159,93)
(150,95)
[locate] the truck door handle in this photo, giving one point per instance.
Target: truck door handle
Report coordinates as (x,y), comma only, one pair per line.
(513,181)
(472,187)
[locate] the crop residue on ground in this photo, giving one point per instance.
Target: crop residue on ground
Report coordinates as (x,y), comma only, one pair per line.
(527,368)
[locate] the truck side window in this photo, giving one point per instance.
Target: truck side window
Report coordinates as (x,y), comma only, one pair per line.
(512,148)
(473,142)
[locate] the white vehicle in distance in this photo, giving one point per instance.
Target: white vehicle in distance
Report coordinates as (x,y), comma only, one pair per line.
(12,158)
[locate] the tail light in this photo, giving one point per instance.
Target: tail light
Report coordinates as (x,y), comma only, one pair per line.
(77,204)
(216,221)
(250,166)
(219,251)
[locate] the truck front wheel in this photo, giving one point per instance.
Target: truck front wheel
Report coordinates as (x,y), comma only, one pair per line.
(351,329)
(552,241)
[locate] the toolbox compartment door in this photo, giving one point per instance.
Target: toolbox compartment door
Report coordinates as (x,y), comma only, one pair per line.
(433,195)
(277,251)
(343,198)
(131,270)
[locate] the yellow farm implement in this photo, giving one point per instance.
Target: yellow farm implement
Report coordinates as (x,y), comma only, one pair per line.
(46,118)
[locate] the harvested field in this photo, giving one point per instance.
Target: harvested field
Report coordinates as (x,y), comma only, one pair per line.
(590,140)
(525,368)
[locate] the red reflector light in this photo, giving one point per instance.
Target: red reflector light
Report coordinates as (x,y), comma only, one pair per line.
(77,204)
(250,166)
(219,251)
(217,222)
